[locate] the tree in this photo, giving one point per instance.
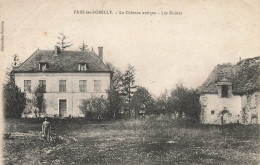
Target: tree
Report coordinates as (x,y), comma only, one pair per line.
(117,78)
(142,101)
(192,105)
(176,101)
(62,44)
(39,99)
(83,47)
(184,101)
(94,107)
(10,70)
(114,93)
(115,102)
(161,103)
(16,61)
(14,99)
(128,83)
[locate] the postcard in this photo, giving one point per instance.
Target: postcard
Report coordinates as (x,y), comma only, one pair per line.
(130,82)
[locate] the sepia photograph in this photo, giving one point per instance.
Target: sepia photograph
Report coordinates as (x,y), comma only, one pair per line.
(130,82)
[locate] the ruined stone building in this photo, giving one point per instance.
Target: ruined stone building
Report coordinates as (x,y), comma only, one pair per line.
(231,94)
(67,76)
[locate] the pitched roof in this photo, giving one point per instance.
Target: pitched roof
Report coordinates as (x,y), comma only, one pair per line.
(66,61)
(245,77)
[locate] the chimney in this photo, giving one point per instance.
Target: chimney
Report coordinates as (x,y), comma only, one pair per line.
(56,50)
(100,53)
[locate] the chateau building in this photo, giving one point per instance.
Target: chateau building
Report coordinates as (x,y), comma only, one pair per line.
(67,77)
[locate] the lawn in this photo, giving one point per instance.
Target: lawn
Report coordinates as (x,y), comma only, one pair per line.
(142,141)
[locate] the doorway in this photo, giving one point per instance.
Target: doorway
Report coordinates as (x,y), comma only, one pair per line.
(62,108)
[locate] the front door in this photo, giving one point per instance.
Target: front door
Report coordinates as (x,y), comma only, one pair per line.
(63,107)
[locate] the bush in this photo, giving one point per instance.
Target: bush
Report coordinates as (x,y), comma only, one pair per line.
(39,98)
(94,107)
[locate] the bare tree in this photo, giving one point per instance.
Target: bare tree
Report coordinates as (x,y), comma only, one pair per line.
(16,61)
(83,47)
(63,45)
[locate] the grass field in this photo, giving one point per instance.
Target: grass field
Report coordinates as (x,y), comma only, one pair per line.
(146,141)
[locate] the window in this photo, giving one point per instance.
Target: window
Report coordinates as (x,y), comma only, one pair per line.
(97,85)
(43,106)
(224,88)
(62,86)
(27,85)
(42,66)
(212,112)
(82,85)
(224,91)
(82,67)
(43,84)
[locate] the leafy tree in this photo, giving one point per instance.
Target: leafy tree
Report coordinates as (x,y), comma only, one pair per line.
(115,102)
(39,99)
(161,103)
(142,101)
(94,107)
(176,101)
(184,100)
(14,99)
(192,106)
(62,43)
(83,47)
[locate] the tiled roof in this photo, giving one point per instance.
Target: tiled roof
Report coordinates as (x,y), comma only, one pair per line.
(66,61)
(245,77)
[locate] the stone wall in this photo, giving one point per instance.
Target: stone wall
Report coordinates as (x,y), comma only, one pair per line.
(239,109)
(251,108)
(215,109)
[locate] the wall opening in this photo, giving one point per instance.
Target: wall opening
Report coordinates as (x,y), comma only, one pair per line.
(225,116)
(224,91)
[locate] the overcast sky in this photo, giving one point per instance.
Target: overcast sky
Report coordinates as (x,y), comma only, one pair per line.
(165,50)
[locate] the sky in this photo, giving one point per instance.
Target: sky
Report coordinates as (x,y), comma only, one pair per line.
(164,49)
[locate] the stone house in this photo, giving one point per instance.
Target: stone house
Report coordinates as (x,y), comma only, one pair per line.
(67,76)
(231,94)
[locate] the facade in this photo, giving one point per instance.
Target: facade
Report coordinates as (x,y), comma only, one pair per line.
(231,94)
(67,77)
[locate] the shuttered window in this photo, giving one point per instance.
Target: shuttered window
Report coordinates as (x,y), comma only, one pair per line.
(43,84)
(97,85)
(83,85)
(27,85)
(62,86)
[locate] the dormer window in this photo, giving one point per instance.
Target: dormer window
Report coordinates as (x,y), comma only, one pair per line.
(224,91)
(224,88)
(83,66)
(42,66)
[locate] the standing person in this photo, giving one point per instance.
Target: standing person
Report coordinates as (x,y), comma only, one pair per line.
(46,129)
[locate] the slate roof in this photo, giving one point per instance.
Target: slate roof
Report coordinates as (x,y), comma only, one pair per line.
(66,61)
(245,77)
